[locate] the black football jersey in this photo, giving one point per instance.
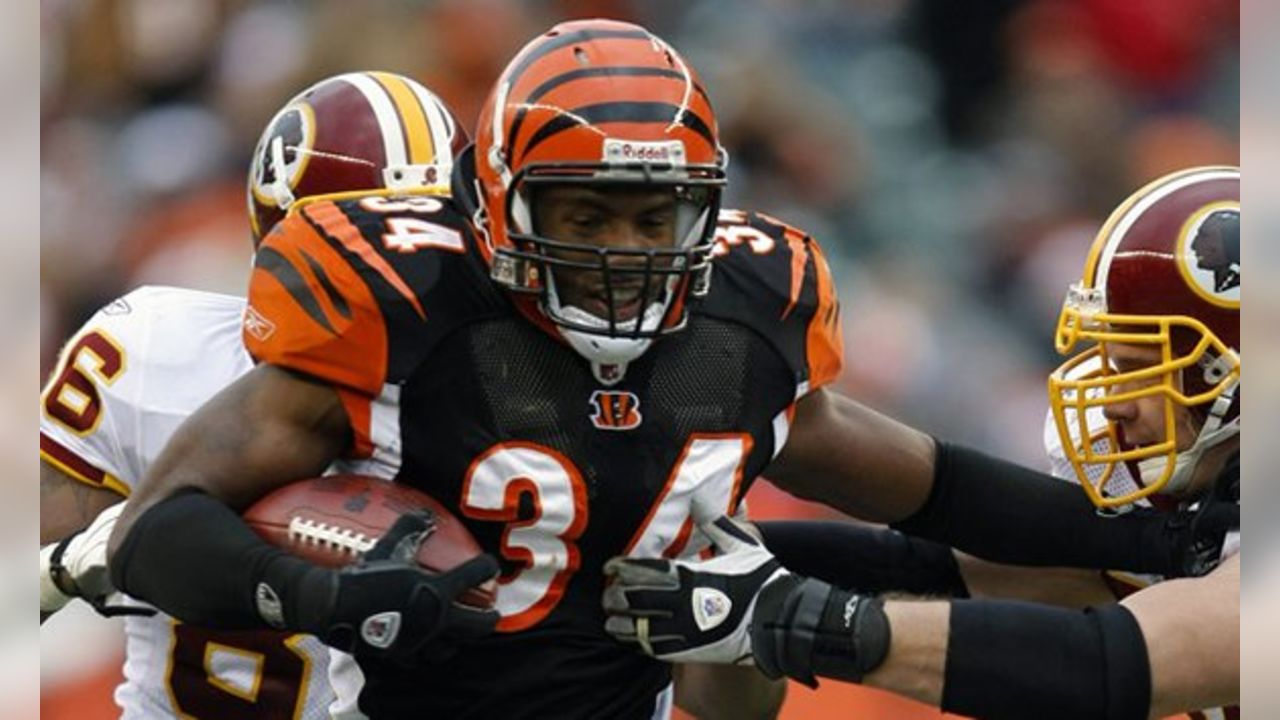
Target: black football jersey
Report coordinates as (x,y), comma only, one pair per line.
(455,388)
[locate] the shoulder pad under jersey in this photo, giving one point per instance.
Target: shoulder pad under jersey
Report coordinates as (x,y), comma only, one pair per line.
(354,291)
(131,374)
(774,278)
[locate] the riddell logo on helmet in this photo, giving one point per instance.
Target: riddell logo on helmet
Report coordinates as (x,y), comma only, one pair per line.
(631,151)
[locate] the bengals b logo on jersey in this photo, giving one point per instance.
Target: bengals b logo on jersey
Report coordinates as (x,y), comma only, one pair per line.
(615,410)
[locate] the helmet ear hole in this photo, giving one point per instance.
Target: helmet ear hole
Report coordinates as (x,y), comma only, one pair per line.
(1216,368)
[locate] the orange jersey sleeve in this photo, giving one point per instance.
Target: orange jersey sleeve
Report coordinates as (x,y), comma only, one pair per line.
(824,340)
(310,309)
(340,291)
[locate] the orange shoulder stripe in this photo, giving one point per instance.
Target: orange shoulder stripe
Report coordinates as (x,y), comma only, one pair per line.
(799,258)
(311,311)
(824,341)
(329,217)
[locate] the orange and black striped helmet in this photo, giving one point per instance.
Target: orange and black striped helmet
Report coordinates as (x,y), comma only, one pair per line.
(600,102)
(353,132)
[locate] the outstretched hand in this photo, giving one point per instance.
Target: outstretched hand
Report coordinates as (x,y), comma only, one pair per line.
(691,610)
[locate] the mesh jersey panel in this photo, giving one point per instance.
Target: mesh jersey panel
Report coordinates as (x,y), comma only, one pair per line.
(505,380)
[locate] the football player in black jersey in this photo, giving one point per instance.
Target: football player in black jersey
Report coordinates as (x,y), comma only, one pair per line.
(582,356)
(1160,368)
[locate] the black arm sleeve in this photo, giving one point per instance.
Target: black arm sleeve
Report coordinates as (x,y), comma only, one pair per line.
(194,558)
(862,558)
(1009,659)
(1011,514)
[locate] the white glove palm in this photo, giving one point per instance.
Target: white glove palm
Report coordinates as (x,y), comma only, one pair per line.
(691,610)
(77,567)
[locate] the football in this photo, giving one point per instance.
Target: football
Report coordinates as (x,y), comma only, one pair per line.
(333,520)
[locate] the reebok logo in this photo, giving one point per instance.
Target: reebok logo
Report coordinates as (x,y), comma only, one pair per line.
(269,607)
(257,325)
(850,608)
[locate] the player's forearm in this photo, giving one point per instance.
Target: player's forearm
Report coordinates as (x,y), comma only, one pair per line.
(1010,659)
(854,459)
(268,428)
(727,692)
(193,557)
(864,558)
(917,655)
(980,658)
(1192,632)
(1063,587)
(1007,513)
(68,505)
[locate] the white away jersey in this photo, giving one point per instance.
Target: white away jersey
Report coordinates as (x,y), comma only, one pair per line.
(123,384)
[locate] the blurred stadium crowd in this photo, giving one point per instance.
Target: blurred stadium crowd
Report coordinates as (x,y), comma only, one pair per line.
(954,159)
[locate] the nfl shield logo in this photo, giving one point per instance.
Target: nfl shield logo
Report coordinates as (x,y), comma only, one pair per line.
(381,630)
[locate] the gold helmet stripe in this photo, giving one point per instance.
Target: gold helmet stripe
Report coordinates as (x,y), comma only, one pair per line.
(417,131)
(439,120)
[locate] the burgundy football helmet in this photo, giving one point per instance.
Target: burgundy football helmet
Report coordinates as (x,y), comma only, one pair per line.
(348,133)
(1164,272)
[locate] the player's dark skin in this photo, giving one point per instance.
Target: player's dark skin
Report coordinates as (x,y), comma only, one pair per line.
(633,219)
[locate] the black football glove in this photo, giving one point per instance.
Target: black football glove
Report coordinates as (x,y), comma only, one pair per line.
(803,628)
(1198,532)
(389,607)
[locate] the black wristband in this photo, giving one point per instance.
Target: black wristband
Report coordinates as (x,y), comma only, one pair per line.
(1011,514)
(58,572)
(803,628)
(1009,659)
(194,558)
(854,636)
(863,558)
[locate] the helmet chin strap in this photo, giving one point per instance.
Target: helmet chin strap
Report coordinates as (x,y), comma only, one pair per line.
(1212,433)
(609,356)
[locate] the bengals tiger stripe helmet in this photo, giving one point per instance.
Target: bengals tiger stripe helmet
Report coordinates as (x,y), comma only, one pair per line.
(1164,271)
(353,132)
(604,103)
